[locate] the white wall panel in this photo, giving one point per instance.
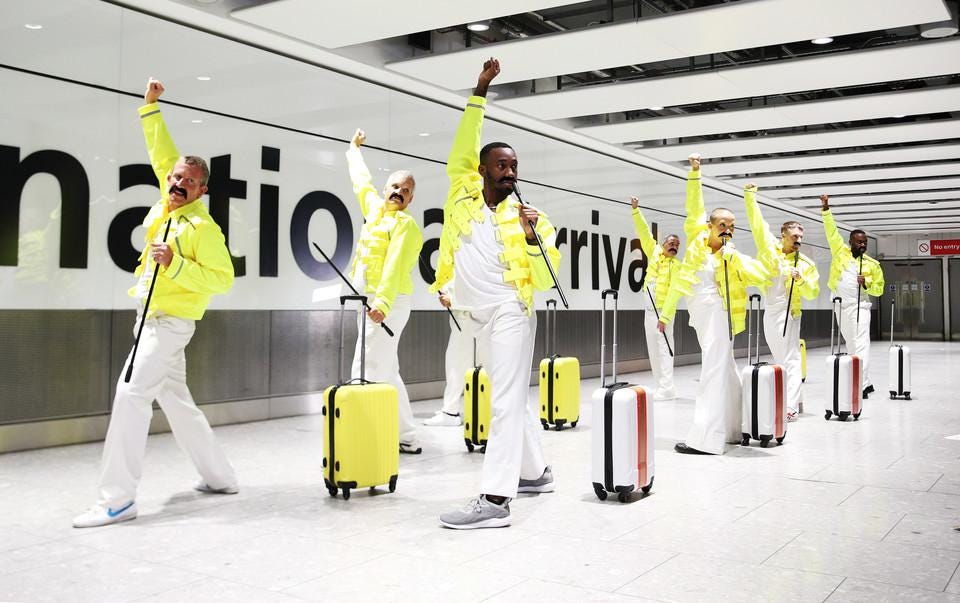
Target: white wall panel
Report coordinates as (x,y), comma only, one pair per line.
(921,171)
(833,160)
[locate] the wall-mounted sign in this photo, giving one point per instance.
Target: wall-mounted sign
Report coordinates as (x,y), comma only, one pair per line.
(938,247)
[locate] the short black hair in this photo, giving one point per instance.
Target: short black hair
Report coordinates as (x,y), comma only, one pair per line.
(857,232)
(491,146)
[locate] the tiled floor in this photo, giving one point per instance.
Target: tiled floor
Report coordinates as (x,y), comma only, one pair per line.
(857,511)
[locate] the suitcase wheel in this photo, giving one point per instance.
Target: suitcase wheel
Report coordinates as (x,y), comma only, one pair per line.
(600,492)
(469,445)
(560,423)
(346,493)
(780,440)
(483,449)
(906,395)
(623,497)
(546,426)
(856,417)
(764,443)
(804,380)
(827,415)
(746,440)
(893,395)
(646,489)
(332,489)
(393,483)
(843,416)
(574,423)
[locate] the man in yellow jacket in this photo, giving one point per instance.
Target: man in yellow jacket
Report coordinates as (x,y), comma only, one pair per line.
(187,248)
(661,263)
(489,249)
(386,255)
(785,265)
(701,278)
(853,276)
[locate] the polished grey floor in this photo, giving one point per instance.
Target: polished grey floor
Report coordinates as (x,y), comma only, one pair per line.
(856,511)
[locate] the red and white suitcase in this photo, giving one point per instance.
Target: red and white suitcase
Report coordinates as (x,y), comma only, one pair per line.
(845,375)
(622,446)
(899,362)
(764,393)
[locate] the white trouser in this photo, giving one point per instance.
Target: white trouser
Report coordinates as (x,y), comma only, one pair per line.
(383,361)
(458,360)
(716,417)
(661,362)
(159,373)
(857,337)
(785,351)
(505,337)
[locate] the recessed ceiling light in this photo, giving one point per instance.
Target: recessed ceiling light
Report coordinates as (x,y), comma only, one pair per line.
(33,26)
(824,40)
(203,78)
(196,121)
(479,26)
(424,134)
(654,108)
(899,116)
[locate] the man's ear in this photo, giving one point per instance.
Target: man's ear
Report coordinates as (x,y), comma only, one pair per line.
(482,169)
(203,190)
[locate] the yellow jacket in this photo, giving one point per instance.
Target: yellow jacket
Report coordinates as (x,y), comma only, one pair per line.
(526,268)
(842,256)
(201,265)
(660,266)
(775,261)
(389,244)
(744,271)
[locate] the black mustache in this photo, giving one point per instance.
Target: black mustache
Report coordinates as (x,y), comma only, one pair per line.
(397,195)
(176,189)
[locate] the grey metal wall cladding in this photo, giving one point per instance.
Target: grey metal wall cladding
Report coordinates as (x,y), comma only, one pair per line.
(66,363)
(53,364)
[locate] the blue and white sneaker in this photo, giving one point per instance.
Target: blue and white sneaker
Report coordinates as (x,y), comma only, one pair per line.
(103,515)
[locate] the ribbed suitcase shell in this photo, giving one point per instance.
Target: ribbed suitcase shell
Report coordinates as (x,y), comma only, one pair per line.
(803,360)
(559,392)
(476,408)
(764,391)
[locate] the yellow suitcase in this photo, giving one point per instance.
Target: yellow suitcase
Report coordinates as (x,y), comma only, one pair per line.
(361,433)
(476,406)
(559,381)
(803,360)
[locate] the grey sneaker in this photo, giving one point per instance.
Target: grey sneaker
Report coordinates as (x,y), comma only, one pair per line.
(478,513)
(544,483)
(201,486)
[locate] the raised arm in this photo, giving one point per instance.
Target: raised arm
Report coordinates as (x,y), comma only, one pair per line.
(360,176)
(465,155)
(696,211)
(834,238)
(762,237)
(647,242)
(160,146)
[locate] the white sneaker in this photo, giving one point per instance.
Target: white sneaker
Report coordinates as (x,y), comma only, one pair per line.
(665,394)
(201,486)
(102,515)
(442,419)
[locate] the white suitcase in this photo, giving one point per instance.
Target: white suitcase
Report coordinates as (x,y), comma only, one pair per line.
(622,446)
(845,375)
(899,363)
(764,393)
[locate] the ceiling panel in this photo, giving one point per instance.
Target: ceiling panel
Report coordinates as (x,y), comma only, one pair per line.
(864,187)
(912,229)
(920,171)
(836,70)
(682,34)
(336,24)
(833,160)
(851,108)
(834,139)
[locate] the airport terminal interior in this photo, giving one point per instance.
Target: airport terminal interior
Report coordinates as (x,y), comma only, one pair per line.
(193,287)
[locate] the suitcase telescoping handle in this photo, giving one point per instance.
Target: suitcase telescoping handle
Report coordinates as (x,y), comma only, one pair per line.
(603,336)
(836,310)
(551,317)
(750,312)
(363,327)
(891,321)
